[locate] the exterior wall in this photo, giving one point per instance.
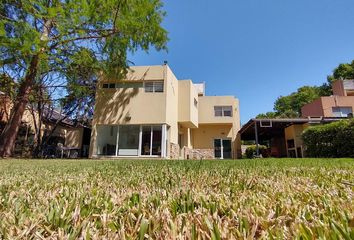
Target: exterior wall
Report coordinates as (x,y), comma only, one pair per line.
(187,111)
(237,151)
(129,106)
(338,88)
(206,110)
(139,73)
(336,101)
(323,106)
(294,132)
(207,116)
(343,88)
(203,136)
(74,137)
(313,109)
(171,111)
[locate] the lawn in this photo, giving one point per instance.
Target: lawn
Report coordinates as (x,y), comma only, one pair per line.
(137,199)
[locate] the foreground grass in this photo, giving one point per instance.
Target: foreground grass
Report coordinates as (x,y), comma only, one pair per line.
(129,199)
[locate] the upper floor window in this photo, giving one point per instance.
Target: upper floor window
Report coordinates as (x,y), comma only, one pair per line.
(153,86)
(109,85)
(223,111)
(341,111)
(123,85)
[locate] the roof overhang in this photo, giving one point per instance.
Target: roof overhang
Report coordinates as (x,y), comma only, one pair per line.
(269,128)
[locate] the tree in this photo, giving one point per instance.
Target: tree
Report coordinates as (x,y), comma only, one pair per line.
(42,36)
(293,103)
(343,71)
(290,106)
(267,115)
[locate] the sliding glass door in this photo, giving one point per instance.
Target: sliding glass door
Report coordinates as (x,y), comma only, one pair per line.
(106,140)
(131,140)
(128,143)
(151,140)
(146,141)
(222,148)
(156,140)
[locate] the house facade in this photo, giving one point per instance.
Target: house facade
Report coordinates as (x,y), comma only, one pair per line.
(153,114)
(340,104)
(67,133)
(283,136)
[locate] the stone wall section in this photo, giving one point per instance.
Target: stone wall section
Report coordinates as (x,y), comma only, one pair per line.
(199,154)
(188,153)
(174,151)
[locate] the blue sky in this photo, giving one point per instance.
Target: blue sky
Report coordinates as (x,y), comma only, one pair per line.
(255,50)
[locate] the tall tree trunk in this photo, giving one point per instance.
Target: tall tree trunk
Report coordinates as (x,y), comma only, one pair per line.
(9,134)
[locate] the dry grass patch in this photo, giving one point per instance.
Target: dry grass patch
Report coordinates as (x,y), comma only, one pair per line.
(153,199)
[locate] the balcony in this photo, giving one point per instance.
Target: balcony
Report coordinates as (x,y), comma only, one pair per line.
(348,86)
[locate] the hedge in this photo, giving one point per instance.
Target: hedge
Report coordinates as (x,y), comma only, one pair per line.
(251,151)
(330,140)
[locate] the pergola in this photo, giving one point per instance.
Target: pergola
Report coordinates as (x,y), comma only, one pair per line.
(266,129)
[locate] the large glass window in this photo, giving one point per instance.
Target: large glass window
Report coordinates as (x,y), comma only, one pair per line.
(341,111)
(146,140)
(223,111)
(128,144)
(106,140)
(156,140)
(129,140)
(151,140)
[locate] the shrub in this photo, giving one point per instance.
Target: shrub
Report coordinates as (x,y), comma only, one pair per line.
(252,150)
(330,140)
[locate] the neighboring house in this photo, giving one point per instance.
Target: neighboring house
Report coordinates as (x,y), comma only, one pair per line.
(74,137)
(152,114)
(67,132)
(283,136)
(340,104)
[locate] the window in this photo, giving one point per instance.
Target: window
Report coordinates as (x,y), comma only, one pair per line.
(122,85)
(153,86)
(109,85)
(227,111)
(341,111)
(195,103)
(223,111)
(131,140)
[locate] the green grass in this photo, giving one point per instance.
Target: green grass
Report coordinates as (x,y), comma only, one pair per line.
(137,199)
